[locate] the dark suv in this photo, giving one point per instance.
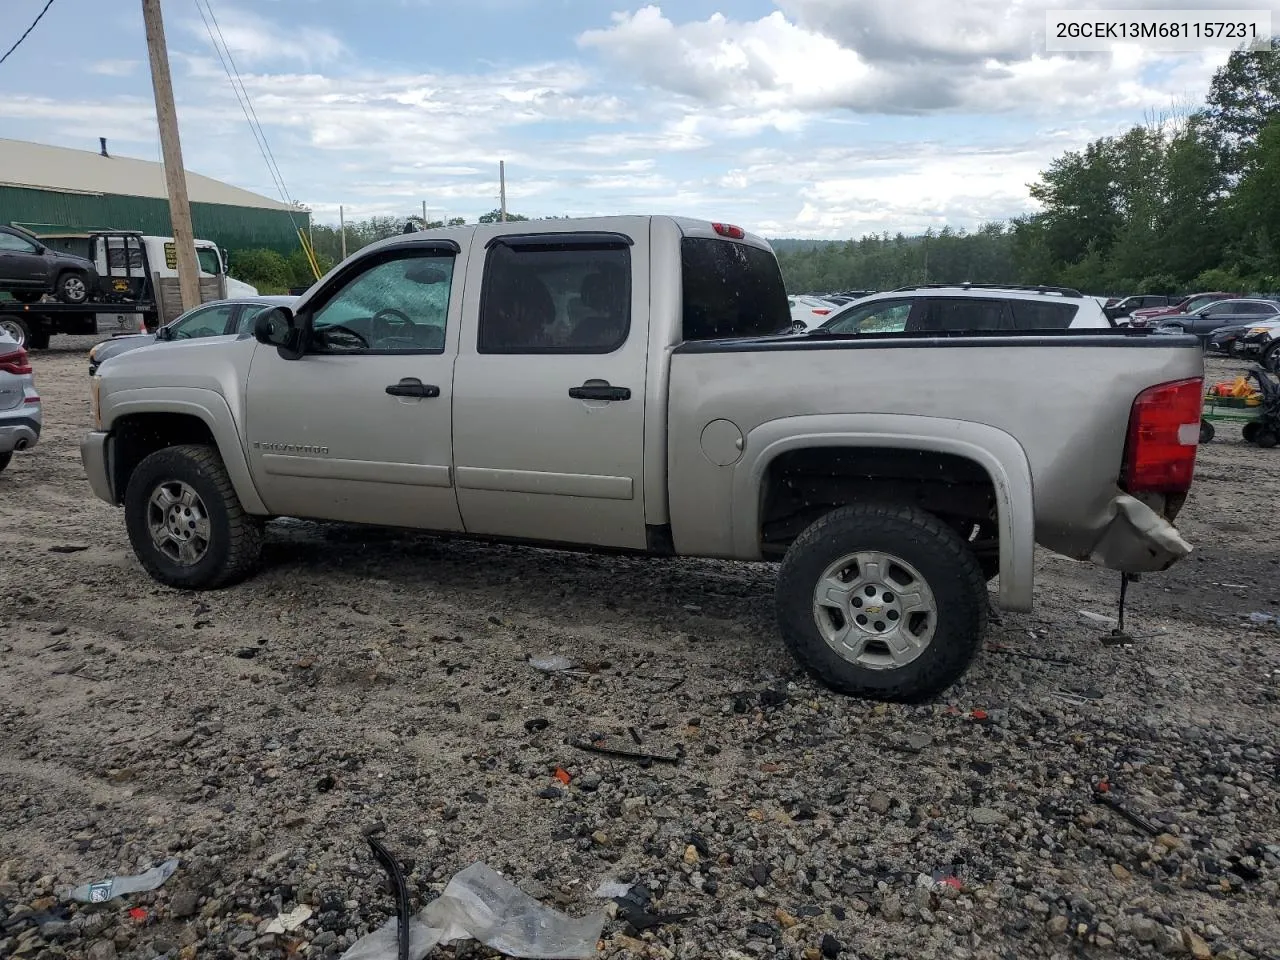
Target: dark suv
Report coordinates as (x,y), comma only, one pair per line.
(29,270)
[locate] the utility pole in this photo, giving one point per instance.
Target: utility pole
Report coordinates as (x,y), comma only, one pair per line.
(175,174)
(342,228)
(424,214)
(502,182)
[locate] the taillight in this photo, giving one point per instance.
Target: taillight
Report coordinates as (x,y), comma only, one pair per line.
(1164,430)
(821,313)
(729,230)
(15,363)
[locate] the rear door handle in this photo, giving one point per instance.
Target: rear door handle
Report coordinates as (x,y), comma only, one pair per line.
(599,391)
(412,387)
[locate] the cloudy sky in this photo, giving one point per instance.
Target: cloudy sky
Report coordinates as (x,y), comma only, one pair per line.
(816,118)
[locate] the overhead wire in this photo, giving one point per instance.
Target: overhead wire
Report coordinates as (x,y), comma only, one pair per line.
(251,117)
(26,32)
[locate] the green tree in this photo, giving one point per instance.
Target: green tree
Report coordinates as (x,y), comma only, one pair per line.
(495,216)
(1243,97)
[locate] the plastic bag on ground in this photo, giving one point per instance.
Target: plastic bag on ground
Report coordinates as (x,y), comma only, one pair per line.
(479,904)
(104,890)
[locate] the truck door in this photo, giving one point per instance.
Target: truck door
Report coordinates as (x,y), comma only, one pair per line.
(358,428)
(550,388)
(21,261)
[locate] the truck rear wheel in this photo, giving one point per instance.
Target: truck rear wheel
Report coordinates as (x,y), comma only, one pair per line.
(882,601)
(185,522)
(72,288)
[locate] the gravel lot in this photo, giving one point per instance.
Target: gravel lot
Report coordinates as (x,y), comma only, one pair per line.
(374,680)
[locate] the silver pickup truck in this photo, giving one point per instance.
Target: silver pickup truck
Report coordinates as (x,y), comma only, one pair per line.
(621,383)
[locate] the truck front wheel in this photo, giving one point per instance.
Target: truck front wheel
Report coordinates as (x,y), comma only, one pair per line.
(185,522)
(72,288)
(882,601)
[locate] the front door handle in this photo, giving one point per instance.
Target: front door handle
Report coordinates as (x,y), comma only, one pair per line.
(599,391)
(413,387)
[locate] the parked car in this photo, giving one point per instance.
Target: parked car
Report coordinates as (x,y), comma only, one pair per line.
(1209,319)
(1147,316)
(20,416)
(968,308)
(1263,341)
(215,319)
(810,311)
(29,270)
(510,381)
(1122,308)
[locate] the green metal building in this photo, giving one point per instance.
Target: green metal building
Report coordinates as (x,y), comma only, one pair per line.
(50,190)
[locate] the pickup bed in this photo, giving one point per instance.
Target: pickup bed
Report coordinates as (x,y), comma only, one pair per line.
(620,383)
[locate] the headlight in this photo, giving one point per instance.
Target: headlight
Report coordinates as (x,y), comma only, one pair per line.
(1254,330)
(93,352)
(95,405)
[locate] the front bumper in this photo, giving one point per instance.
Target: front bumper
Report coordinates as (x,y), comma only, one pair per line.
(19,432)
(93,454)
(1137,539)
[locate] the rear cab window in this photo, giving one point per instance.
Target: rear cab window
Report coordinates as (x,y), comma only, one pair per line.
(731,290)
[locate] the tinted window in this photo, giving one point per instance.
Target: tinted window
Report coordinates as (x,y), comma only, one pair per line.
(968,313)
(10,242)
(1042,315)
(208,322)
(248,314)
(731,290)
(555,298)
(397,304)
(1218,309)
(883,316)
(1196,303)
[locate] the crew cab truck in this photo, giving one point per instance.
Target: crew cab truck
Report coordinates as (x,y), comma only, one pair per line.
(617,384)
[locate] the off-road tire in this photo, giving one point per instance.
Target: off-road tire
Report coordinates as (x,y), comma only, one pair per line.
(18,328)
(4,460)
(945,562)
(1266,439)
(1249,432)
(235,541)
(1207,432)
(79,292)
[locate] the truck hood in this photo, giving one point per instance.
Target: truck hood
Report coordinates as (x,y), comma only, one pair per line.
(209,363)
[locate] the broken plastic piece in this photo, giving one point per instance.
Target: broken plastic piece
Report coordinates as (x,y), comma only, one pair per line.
(1263,618)
(551,663)
(105,890)
(288,922)
(562,775)
(401,889)
(479,904)
(139,915)
(1097,618)
(611,890)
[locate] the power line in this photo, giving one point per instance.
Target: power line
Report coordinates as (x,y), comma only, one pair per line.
(28,31)
(244,109)
(249,101)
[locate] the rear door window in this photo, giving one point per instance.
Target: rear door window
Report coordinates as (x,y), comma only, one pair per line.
(731,290)
(962,314)
(1042,315)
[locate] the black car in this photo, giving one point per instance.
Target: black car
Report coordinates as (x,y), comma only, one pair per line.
(29,270)
(217,318)
(1209,320)
(1120,309)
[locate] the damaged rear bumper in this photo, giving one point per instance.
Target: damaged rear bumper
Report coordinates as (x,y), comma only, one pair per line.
(1137,539)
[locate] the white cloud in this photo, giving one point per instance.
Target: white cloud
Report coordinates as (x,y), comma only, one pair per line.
(254,40)
(115,68)
(882,57)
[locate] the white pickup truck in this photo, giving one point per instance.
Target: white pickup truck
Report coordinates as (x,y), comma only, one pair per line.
(618,383)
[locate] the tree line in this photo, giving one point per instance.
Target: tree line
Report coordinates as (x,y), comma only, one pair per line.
(1170,206)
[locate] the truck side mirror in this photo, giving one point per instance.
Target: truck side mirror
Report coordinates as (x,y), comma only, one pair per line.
(279,328)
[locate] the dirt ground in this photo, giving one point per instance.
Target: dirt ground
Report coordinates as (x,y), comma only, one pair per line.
(378,681)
